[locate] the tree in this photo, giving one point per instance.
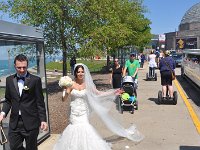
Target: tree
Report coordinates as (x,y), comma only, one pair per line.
(93,25)
(114,24)
(56,18)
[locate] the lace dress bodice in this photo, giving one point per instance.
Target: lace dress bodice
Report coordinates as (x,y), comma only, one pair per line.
(79,107)
(79,134)
(76,94)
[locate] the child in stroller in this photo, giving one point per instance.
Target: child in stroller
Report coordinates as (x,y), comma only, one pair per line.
(129,97)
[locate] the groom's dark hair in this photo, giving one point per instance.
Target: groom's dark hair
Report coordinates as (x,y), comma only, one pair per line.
(21,57)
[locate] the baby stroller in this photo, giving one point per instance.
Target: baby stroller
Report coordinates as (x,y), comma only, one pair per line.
(128,99)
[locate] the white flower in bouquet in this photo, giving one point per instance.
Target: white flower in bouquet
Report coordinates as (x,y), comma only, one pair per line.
(65,81)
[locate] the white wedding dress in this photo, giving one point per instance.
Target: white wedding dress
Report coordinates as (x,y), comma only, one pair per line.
(80,134)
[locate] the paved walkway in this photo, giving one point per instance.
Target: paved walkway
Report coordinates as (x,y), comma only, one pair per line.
(48,144)
(165,126)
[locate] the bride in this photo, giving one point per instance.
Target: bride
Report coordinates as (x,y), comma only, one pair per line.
(80,134)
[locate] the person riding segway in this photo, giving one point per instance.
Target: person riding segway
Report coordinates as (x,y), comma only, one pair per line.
(167,70)
(152,66)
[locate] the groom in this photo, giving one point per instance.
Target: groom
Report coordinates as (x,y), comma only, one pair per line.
(25,99)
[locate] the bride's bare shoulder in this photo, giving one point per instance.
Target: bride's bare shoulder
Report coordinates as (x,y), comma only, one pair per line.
(73,85)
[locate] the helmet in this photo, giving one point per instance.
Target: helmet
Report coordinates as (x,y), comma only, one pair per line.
(167,52)
(125,96)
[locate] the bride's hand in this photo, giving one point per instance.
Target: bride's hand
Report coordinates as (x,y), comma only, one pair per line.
(64,88)
(119,92)
(65,93)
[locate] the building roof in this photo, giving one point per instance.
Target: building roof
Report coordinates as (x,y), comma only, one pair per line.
(192,15)
(10,30)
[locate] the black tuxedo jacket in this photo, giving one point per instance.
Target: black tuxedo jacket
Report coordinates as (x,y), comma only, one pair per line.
(31,102)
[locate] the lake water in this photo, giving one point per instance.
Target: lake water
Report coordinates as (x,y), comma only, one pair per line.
(7,67)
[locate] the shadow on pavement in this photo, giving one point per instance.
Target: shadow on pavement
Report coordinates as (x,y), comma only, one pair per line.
(190,89)
(153,100)
(189,147)
(165,102)
(114,138)
(53,87)
(101,85)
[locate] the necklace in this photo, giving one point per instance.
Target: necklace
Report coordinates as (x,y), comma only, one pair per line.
(80,86)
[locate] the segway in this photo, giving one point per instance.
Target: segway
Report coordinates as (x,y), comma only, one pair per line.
(161,99)
(150,75)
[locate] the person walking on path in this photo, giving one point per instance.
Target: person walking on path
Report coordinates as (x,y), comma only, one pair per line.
(142,60)
(72,63)
(24,97)
(133,66)
(116,75)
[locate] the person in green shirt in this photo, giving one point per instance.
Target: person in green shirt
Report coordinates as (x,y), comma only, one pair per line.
(133,66)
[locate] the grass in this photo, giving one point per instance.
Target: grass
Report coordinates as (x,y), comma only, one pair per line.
(93,65)
(2,93)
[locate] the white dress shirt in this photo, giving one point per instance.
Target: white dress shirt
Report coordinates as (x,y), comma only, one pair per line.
(20,86)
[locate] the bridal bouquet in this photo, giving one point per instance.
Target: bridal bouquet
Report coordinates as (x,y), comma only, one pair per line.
(65,81)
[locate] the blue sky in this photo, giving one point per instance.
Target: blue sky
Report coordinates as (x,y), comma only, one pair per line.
(166,15)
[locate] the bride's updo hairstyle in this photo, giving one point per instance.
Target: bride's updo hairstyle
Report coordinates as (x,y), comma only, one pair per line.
(76,70)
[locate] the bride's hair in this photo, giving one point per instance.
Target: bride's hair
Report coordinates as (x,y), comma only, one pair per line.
(76,70)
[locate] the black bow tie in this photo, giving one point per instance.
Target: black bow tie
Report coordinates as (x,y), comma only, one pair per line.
(21,78)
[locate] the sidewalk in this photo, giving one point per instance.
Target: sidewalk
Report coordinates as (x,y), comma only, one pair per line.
(165,126)
(48,143)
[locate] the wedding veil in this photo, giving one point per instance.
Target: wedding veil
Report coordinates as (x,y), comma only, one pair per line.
(98,99)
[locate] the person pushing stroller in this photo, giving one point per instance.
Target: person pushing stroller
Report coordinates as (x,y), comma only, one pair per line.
(133,66)
(129,85)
